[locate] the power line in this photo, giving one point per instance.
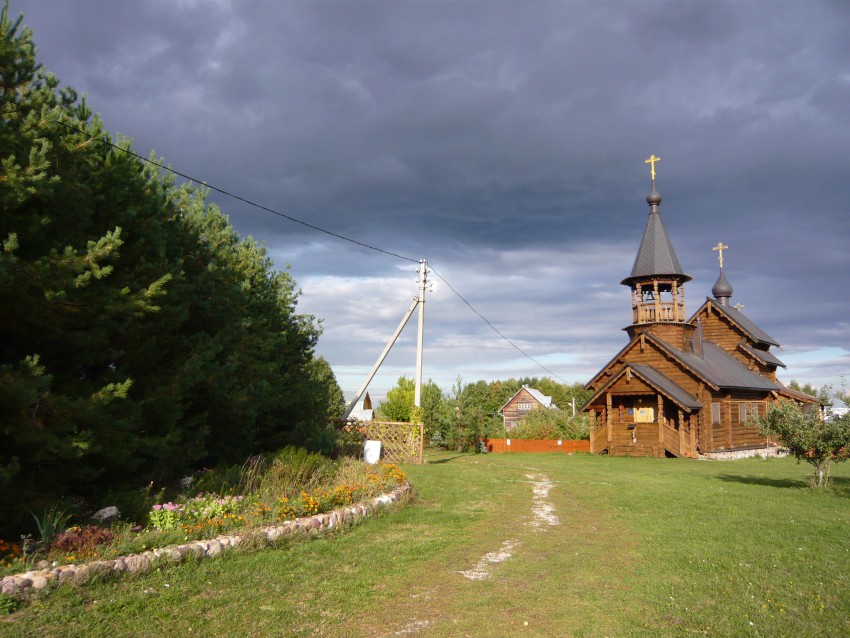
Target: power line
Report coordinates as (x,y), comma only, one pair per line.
(322,230)
(496,330)
(240,198)
(245,200)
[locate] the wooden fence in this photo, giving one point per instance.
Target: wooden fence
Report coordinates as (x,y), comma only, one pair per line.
(400,442)
(499,446)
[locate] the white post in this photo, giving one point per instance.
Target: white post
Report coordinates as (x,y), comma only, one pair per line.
(423,271)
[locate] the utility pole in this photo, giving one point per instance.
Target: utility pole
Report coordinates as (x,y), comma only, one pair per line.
(420,302)
(423,274)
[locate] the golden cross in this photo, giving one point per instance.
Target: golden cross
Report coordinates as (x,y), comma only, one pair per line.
(652,159)
(720,248)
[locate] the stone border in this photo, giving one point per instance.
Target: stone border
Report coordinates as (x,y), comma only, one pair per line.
(765,452)
(18,584)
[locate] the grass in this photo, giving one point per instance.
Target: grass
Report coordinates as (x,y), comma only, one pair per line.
(645,547)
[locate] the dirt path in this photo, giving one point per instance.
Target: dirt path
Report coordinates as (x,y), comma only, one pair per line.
(523,570)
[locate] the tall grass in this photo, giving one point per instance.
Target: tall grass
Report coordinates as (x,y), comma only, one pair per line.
(286,472)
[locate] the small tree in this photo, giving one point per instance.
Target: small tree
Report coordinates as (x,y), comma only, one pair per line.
(808,437)
(398,405)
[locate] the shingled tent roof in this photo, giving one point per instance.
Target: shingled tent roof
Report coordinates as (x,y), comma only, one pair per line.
(655,255)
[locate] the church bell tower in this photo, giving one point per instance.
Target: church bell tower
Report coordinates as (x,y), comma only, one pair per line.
(657,281)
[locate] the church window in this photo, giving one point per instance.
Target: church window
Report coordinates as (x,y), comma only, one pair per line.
(715,412)
(748,410)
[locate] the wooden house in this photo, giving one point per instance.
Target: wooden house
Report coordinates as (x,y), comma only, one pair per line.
(683,386)
(522,403)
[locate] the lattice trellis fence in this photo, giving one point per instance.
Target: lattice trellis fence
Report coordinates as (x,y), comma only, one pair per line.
(400,442)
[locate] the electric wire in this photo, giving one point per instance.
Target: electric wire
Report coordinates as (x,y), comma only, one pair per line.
(249,202)
(496,330)
(322,230)
(244,200)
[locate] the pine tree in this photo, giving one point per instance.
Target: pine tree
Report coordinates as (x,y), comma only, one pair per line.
(60,387)
(140,336)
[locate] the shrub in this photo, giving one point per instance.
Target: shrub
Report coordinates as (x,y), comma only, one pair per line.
(81,542)
(9,604)
(133,503)
(551,424)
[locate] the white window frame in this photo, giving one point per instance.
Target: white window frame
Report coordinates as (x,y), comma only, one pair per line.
(747,409)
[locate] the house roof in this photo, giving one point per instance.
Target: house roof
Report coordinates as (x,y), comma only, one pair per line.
(718,367)
(655,255)
(541,398)
(796,394)
(538,396)
(765,356)
(740,319)
(656,380)
(358,411)
(667,386)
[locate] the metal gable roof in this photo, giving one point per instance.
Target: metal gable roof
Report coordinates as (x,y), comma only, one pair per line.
(541,398)
(765,356)
(796,394)
(657,380)
(719,368)
(667,386)
(742,321)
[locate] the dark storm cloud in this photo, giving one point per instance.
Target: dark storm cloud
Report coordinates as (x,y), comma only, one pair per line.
(503,141)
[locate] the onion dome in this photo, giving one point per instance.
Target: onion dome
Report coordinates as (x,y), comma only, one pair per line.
(722,289)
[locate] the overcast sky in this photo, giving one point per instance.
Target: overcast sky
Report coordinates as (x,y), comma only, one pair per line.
(504,142)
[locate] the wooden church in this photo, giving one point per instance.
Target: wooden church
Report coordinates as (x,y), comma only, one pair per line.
(682,387)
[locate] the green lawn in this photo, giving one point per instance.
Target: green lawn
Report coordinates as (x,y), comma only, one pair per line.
(643,547)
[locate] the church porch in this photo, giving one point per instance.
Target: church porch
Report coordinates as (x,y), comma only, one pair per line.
(642,425)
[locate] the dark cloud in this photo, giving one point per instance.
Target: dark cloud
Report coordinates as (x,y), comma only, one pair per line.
(503,141)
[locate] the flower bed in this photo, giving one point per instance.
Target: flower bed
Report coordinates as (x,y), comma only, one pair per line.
(18,584)
(270,500)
